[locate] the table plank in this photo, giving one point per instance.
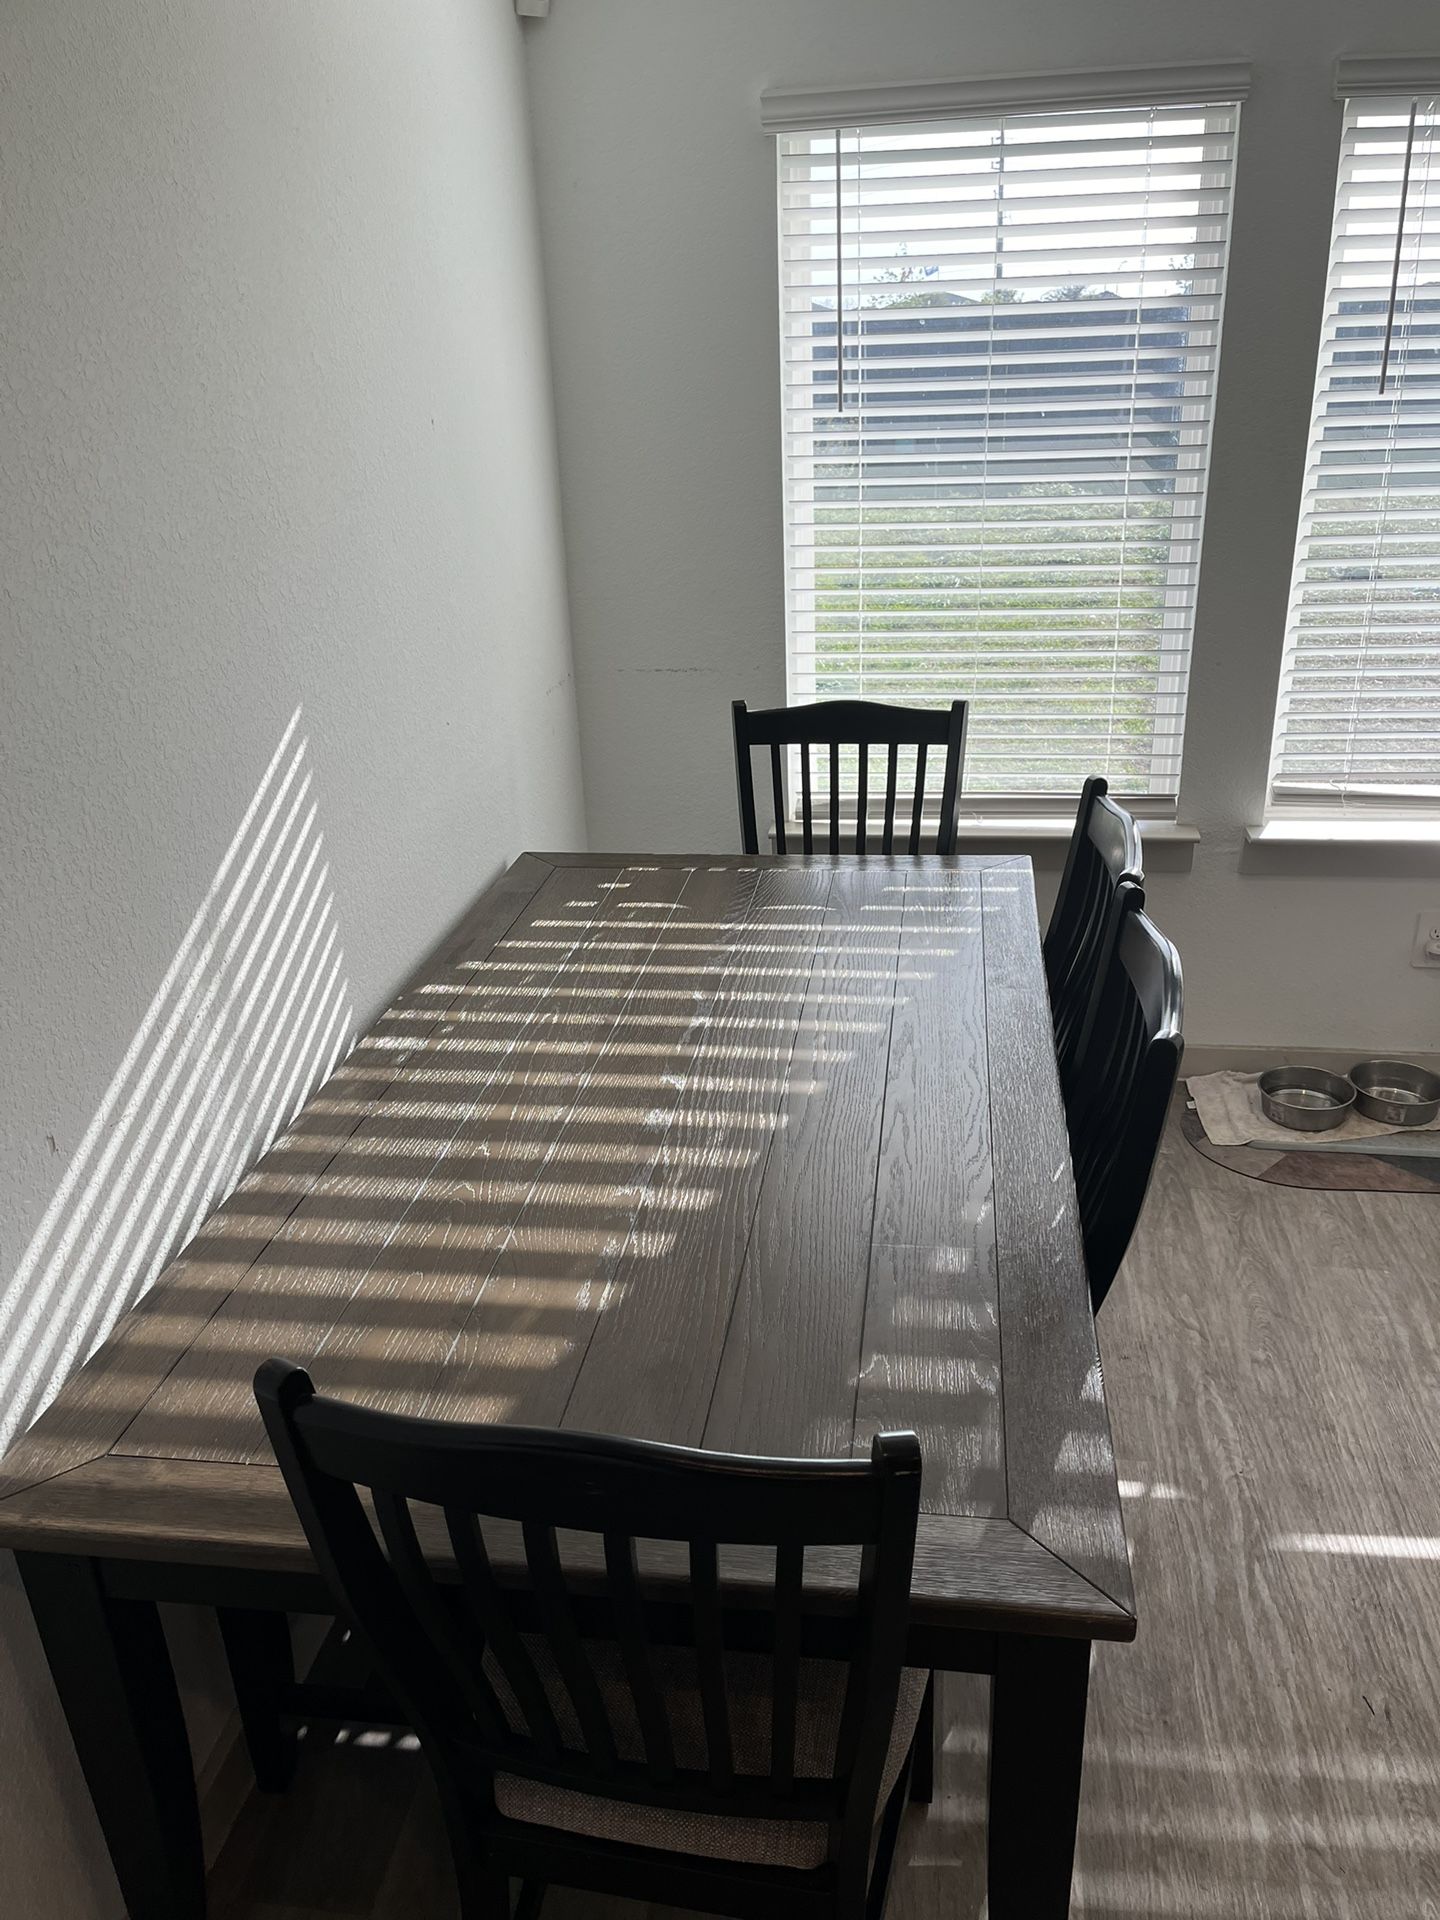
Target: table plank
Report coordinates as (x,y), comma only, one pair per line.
(652,1361)
(934,1186)
(790,1368)
(931,1346)
(932,1363)
(1060,1463)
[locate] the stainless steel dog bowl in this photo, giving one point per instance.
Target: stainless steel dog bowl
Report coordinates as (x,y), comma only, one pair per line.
(1309,1099)
(1396,1092)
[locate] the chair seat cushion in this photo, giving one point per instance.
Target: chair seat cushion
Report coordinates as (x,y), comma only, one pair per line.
(784,1843)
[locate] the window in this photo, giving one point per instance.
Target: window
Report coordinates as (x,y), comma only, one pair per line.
(995,489)
(1359,708)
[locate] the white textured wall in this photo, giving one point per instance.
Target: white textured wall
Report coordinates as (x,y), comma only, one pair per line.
(285,675)
(657,202)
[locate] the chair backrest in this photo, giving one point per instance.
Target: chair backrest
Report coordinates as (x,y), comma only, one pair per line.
(1129,1055)
(1104,851)
(501,1673)
(859,724)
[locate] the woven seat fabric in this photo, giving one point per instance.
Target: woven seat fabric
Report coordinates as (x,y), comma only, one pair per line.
(788,1843)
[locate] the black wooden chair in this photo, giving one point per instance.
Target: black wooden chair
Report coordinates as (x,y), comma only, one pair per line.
(845,725)
(1104,851)
(1126,1063)
(589,1731)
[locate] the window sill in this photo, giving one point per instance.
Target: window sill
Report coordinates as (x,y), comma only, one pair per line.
(1345,833)
(1046,832)
(1010,830)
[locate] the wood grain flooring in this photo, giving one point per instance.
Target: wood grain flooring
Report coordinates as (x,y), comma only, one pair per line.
(1269,1747)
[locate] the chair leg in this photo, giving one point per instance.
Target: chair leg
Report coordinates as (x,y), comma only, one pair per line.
(257,1645)
(484,1893)
(484,1896)
(887,1841)
(922,1767)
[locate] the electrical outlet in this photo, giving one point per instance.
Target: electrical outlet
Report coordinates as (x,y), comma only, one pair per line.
(1426,951)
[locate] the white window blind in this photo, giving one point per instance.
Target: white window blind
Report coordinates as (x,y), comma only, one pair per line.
(1359,711)
(996,489)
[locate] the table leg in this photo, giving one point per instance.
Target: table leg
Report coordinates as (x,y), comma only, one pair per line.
(262,1665)
(1037,1743)
(112,1671)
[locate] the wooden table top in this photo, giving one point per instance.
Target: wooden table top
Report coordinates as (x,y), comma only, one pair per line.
(756,1154)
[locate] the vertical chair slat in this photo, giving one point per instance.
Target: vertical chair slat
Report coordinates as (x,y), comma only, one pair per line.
(1116,1075)
(945,834)
(834,796)
(863,801)
(542,1555)
(919,807)
(1092,895)
(852,1709)
(744,779)
(892,773)
(710,1662)
(634,1642)
(789,1580)
(777,786)
(493,1621)
(808,838)
(1061,934)
(1091,891)
(397,1530)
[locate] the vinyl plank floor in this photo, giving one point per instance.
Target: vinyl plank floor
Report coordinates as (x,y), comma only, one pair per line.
(1269,1747)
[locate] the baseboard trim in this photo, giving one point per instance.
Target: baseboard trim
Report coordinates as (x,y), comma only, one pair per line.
(1202,1059)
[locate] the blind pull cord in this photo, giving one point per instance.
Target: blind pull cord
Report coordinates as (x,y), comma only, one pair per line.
(840,291)
(1399,243)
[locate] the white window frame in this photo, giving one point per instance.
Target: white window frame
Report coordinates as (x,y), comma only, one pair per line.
(1360,83)
(793,110)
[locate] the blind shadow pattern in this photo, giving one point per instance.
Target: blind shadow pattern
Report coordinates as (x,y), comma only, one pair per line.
(251,1014)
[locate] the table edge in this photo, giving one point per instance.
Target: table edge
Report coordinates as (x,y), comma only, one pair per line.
(91,1519)
(960,862)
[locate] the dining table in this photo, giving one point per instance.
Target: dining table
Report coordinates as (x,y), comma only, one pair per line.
(758,1154)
